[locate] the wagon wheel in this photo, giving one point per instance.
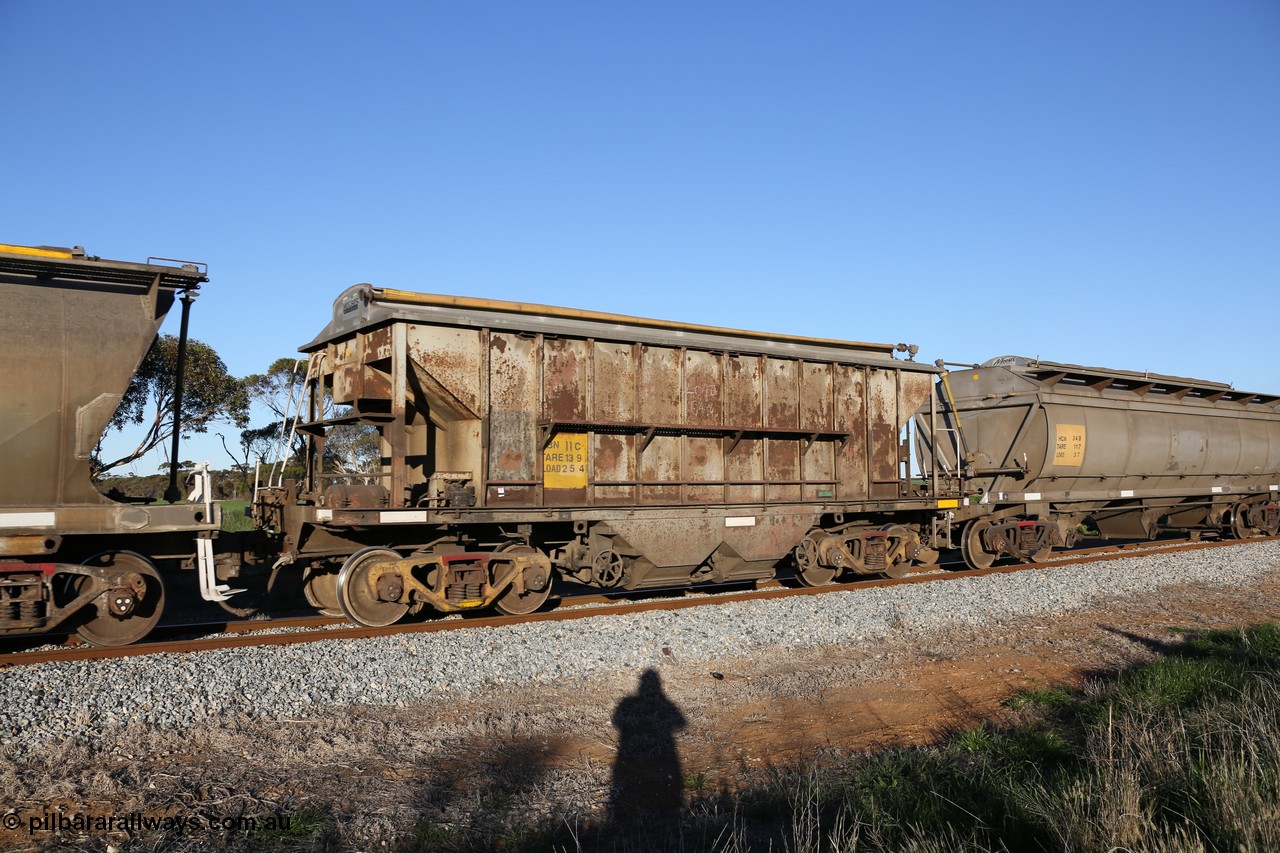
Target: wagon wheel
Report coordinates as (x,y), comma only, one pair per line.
(976,556)
(321,589)
(358,600)
(809,571)
(125,612)
(1240,527)
(537,584)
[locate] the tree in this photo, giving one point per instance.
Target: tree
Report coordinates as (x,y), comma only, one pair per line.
(280,388)
(210,395)
(280,391)
(352,449)
(349,448)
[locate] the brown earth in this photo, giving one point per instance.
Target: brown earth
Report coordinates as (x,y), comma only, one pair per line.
(856,701)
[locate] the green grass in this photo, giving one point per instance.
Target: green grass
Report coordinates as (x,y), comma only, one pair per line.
(305,829)
(233,517)
(1183,754)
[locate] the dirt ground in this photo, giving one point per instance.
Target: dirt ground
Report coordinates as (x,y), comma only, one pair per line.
(378,776)
(786,707)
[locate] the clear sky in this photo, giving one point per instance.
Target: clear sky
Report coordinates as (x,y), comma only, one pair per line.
(1091,182)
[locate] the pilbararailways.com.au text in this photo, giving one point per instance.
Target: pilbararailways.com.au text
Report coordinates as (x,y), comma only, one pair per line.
(134,822)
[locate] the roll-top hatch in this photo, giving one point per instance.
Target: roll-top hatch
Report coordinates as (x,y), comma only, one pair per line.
(1060,376)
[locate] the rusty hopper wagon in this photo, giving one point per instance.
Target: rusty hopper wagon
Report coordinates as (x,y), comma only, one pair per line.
(1047,452)
(75,329)
(521,442)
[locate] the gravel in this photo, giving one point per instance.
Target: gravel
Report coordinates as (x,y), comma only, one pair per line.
(46,703)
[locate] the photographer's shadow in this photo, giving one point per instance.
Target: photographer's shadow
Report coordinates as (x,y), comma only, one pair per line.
(646,801)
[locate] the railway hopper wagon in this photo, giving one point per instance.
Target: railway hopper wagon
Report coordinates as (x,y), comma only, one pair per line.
(521,443)
(1044,453)
(75,329)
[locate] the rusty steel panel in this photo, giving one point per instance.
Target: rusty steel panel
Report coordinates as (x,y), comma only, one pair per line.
(851,420)
(781,394)
(743,407)
(660,400)
(703,391)
(744,391)
(616,368)
(817,460)
(613,460)
(564,379)
(659,385)
(815,397)
(377,344)
(882,426)
(453,361)
(613,456)
(782,463)
(704,463)
(354,375)
(744,465)
(660,464)
(782,411)
(704,406)
(445,405)
(356,379)
(343,378)
(513,418)
(771,537)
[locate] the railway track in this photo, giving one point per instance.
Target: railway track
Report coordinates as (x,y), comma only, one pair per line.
(295,630)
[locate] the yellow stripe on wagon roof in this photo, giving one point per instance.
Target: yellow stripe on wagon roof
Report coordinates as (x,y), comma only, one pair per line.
(600,316)
(37,251)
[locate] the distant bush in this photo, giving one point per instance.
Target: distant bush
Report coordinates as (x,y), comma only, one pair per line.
(227,485)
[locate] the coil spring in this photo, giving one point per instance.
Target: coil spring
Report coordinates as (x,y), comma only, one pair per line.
(23,613)
(463,591)
(873,554)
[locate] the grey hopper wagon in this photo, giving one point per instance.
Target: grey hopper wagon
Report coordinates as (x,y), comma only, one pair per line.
(519,442)
(75,329)
(1046,452)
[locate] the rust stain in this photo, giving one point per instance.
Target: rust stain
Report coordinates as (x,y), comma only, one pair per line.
(511,460)
(609,454)
(564,378)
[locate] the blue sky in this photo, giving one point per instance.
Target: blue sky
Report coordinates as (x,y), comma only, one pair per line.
(1092,182)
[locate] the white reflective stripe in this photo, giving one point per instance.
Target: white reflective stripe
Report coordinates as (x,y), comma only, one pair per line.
(1031,496)
(324,515)
(1126,493)
(402,517)
(27,519)
(1217,489)
(1275,488)
(740,521)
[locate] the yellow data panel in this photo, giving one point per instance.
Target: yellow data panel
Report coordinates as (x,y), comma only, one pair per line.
(564,461)
(1068,447)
